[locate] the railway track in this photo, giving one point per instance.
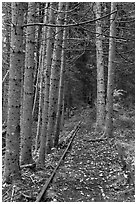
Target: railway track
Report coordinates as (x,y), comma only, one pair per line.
(47,184)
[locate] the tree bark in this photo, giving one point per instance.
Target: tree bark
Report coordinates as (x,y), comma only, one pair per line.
(62,111)
(26,131)
(38,36)
(110,83)
(61,84)
(6,37)
(41,72)
(11,168)
(100,71)
(54,79)
(47,73)
(40,84)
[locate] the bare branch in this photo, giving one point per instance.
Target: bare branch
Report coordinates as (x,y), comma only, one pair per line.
(127,60)
(66,11)
(69,25)
(5,76)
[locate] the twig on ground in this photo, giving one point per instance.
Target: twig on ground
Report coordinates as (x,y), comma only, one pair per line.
(12,194)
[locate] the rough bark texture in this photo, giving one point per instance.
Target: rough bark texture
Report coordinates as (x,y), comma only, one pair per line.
(6,35)
(110,85)
(37,70)
(61,84)
(62,111)
(47,72)
(26,129)
(41,75)
(11,167)
(54,79)
(40,83)
(38,36)
(100,71)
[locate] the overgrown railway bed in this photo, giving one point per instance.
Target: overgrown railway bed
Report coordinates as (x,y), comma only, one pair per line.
(91,172)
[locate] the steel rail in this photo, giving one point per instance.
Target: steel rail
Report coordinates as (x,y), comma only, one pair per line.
(49,181)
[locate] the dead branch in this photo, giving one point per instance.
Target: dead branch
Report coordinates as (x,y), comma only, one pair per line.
(69,25)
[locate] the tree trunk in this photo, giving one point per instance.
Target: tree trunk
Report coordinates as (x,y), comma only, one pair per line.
(54,80)
(11,168)
(62,111)
(47,72)
(61,84)
(26,131)
(38,36)
(6,35)
(41,68)
(110,85)
(100,71)
(40,83)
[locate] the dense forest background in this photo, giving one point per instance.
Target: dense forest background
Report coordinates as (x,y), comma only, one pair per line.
(66,66)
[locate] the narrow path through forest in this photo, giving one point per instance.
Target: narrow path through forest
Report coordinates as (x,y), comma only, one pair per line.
(91,171)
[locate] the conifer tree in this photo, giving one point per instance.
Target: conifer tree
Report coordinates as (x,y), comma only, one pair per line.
(111,71)
(47,70)
(26,129)
(11,165)
(100,70)
(54,79)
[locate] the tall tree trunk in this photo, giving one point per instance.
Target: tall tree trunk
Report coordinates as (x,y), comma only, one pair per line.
(11,168)
(100,71)
(41,68)
(47,72)
(54,79)
(26,131)
(38,33)
(61,84)
(110,84)
(6,35)
(23,68)
(36,91)
(40,82)
(62,111)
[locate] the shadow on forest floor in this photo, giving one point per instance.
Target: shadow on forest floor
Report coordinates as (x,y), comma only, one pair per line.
(91,172)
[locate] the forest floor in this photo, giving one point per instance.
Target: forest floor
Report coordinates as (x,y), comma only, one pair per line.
(91,171)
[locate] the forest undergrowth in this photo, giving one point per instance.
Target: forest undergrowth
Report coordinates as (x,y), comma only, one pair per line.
(93,170)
